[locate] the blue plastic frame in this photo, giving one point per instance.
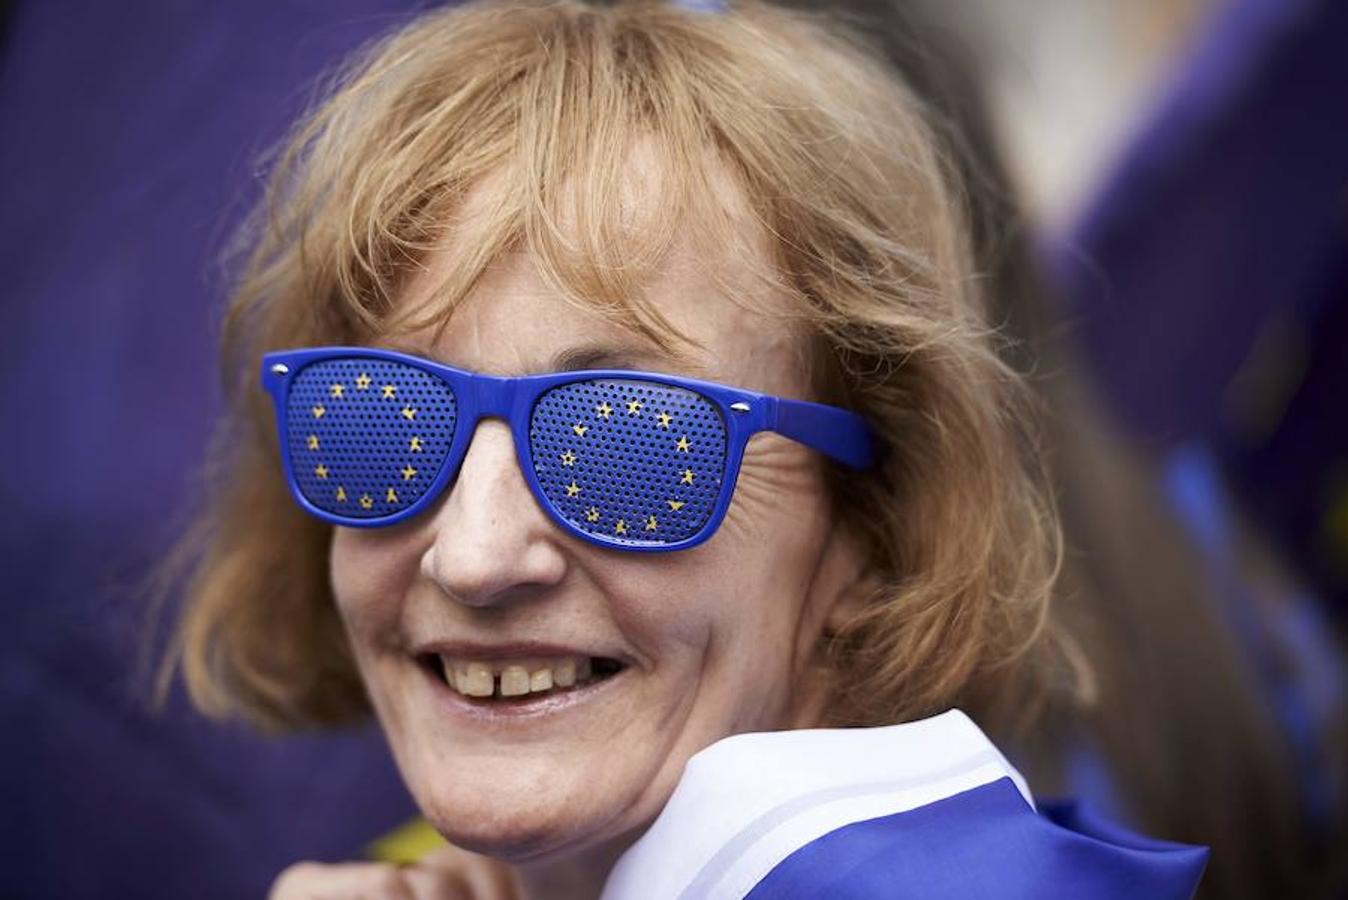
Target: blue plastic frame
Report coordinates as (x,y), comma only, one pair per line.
(838,433)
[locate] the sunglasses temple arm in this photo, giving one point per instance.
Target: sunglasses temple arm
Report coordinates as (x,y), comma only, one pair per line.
(836,432)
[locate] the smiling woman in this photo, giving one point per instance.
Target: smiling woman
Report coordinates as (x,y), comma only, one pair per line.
(654,406)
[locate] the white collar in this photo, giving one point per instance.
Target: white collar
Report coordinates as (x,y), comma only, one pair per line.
(748,801)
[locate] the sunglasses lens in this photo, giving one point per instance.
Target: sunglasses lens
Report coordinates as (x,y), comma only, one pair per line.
(632,462)
(366,437)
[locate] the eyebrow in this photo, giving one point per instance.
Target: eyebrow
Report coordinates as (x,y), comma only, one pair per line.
(617,356)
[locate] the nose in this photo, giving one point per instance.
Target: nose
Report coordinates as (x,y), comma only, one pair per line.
(492,544)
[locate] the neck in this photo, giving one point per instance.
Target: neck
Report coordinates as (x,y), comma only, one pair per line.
(577,877)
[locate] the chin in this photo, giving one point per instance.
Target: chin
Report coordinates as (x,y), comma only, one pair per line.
(518,825)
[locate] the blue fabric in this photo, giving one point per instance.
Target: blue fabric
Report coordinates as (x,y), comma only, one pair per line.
(1286,638)
(986,842)
(1208,276)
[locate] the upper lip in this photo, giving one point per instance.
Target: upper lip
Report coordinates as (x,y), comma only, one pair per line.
(511,650)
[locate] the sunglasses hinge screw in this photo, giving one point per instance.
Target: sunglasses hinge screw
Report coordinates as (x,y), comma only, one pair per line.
(280,369)
(740,407)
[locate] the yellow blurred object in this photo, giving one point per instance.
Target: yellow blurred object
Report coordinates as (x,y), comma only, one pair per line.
(1336,527)
(406,844)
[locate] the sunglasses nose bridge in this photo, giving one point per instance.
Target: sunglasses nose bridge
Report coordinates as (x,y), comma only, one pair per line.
(493,395)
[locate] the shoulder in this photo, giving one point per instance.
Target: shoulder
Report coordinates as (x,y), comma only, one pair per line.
(985,842)
(926,809)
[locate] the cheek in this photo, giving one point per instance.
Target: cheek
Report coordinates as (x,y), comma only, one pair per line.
(371,571)
(778,505)
(776,528)
(738,600)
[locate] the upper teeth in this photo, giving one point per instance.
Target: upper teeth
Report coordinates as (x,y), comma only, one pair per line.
(514,678)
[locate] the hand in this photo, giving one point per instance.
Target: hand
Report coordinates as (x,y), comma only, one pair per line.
(447,874)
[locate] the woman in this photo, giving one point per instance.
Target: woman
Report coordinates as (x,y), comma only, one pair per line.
(740,230)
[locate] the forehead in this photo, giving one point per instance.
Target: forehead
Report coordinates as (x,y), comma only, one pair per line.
(722,320)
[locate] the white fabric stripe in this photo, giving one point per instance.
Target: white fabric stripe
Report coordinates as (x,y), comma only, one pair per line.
(750,800)
(771,839)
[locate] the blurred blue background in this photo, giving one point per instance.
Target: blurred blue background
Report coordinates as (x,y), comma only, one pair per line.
(1205,265)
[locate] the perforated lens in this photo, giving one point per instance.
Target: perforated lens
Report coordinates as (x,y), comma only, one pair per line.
(367,437)
(634,462)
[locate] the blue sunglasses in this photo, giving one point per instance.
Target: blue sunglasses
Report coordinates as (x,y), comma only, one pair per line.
(620,458)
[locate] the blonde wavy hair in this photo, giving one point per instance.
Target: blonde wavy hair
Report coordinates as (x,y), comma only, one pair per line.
(836,159)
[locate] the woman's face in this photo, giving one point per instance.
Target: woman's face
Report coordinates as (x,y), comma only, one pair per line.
(712,639)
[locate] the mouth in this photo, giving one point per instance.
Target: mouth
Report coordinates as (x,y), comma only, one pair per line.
(518,682)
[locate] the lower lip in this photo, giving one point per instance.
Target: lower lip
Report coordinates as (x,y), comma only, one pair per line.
(506,712)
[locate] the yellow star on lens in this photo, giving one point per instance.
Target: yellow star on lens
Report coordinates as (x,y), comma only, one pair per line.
(604,410)
(633,407)
(665,418)
(391,497)
(650,523)
(336,390)
(592,515)
(620,528)
(572,489)
(579,429)
(366,501)
(676,505)
(409,413)
(341,494)
(683,443)
(313,442)
(318,411)
(687,476)
(321,470)
(415,446)
(408,473)
(363,381)
(389,391)
(568,458)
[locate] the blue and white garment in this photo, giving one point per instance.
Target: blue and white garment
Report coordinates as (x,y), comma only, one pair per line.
(926,809)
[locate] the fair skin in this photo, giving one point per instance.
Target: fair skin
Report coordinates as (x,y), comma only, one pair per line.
(715,640)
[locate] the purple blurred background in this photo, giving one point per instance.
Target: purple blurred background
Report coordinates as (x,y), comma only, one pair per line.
(130,134)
